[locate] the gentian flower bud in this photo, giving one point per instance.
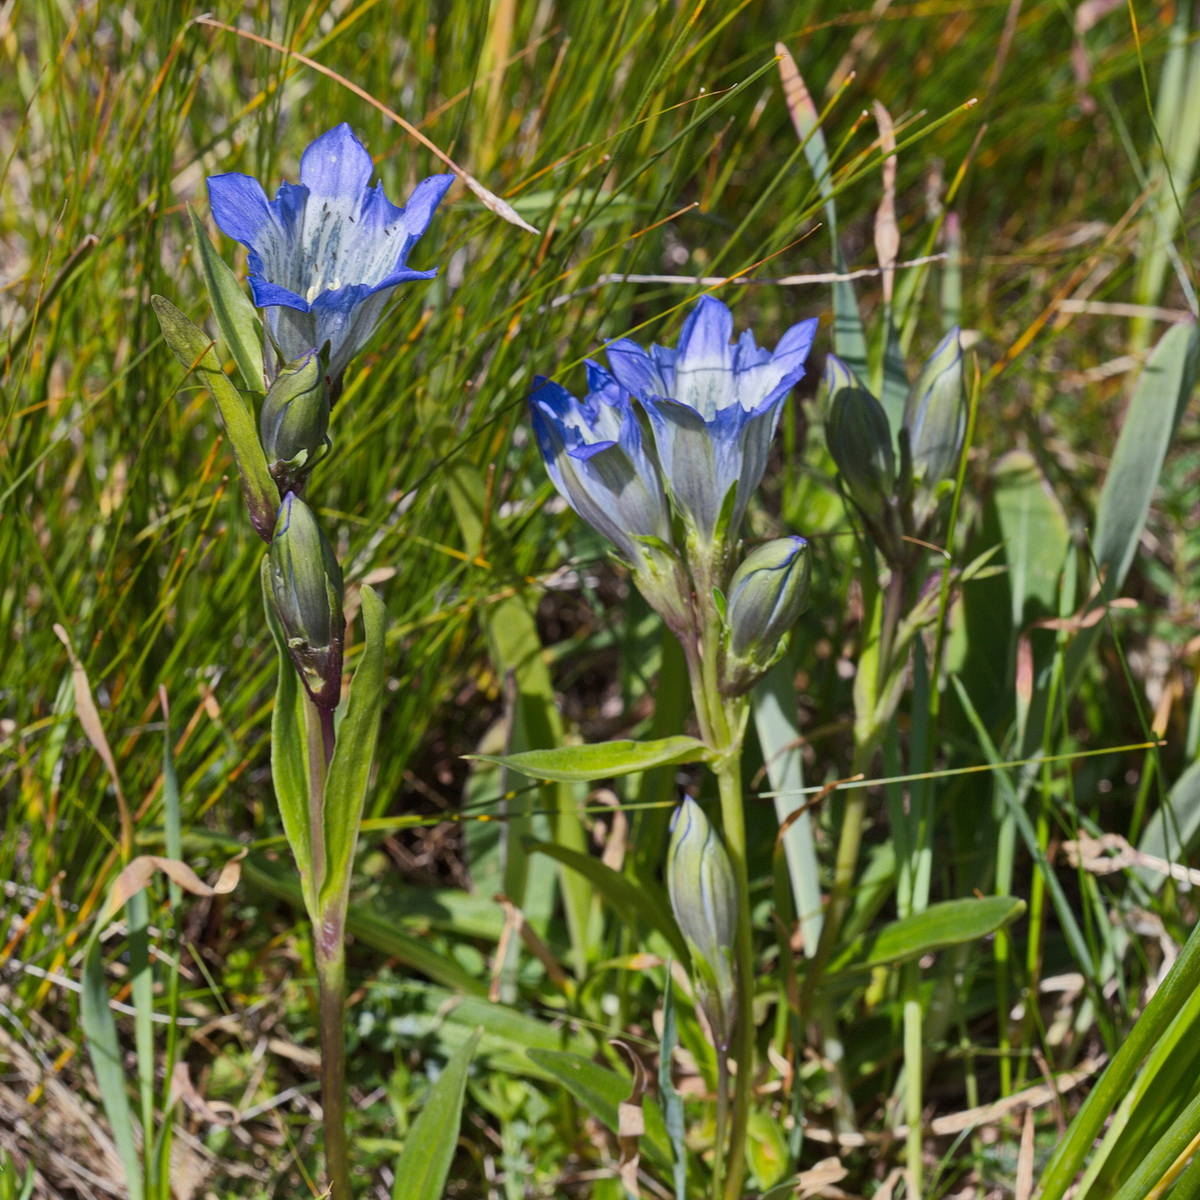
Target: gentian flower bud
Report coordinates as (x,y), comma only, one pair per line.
(306,585)
(766,595)
(935,415)
(704,899)
(294,421)
(859,440)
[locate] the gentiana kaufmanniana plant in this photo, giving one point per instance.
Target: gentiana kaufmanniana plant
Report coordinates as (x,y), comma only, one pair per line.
(662,456)
(326,256)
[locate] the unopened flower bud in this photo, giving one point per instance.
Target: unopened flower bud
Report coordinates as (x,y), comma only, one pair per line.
(935,414)
(306,585)
(704,899)
(294,421)
(859,440)
(766,595)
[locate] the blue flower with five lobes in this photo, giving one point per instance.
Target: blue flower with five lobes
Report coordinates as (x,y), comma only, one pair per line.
(713,406)
(597,459)
(327,253)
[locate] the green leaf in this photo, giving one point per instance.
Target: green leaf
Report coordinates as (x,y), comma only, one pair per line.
(350,769)
(1163,1087)
(105,1052)
(600,1092)
(236,318)
(894,385)
(1074,1150)
(289,753)
(193,348)
(1035,533)
(950,923)
(1172,831)
(776,720)
(1161,395)
(424,1164)
(622,894)
(603,760)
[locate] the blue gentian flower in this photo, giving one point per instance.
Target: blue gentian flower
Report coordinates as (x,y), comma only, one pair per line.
(713,409)
(327,253)
(597,458)
(595,455)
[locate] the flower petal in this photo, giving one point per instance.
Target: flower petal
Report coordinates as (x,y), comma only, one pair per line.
(239,206)
(267,293)
(691,466)
(704,359)
(705,337)
(336,165)
(635,370)
(425,198)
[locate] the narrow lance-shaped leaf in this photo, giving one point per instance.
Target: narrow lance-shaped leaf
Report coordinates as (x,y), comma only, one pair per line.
(193,348)
(236,318)
(289,756)
(424,1164)
(950,923)
(1161,395)
(104,1050)
(350,769)
(604,760)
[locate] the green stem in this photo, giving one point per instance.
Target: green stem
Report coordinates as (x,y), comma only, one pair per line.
(913,1077)
(722,1124)
(729,781)
(329,952)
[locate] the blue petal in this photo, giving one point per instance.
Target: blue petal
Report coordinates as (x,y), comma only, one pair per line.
(689,463)
(337,165)
(583,453)
(554,399)
(425,198)
(793,348)
(635,370)
(704,339)
(239,206)
(742,442)
(267,293)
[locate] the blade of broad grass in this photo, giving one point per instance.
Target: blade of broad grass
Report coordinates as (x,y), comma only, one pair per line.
(777,726)
(669,1097)
(628,900)
(1181,983)
(600,1092)
(104,1050)
(848,337)
(424,1164)
(1163,1087)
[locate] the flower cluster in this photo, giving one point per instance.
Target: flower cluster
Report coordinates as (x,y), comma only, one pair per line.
(662,455)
